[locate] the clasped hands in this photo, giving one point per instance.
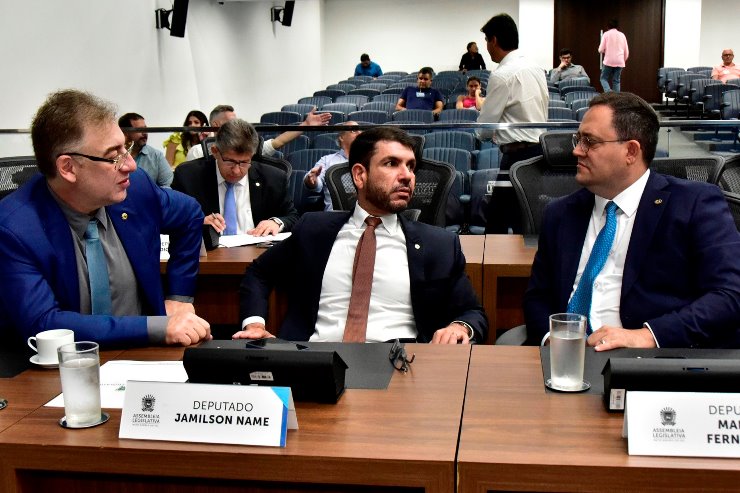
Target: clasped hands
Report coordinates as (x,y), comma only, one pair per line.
(264,228)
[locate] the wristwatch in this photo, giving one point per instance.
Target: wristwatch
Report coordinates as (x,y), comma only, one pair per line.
(278,221)
(471,332)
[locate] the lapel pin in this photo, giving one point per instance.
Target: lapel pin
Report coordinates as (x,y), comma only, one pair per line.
(417,246)
(124,216)
(658,201)
(256,184)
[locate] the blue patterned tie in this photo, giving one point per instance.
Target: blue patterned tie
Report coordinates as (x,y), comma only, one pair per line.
(97,271)
(581,300)
(230,210)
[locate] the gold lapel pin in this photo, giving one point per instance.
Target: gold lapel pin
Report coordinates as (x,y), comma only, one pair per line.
(417,246)
(124,216)
(256,184)
(658,201)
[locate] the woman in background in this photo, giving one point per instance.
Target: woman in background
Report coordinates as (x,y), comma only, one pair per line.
(473,99)
(472,60)
(178,144)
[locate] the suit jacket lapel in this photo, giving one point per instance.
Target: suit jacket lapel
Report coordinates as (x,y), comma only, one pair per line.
(570,239)
(653,202)
(210,176)
(256,193)
(414,250)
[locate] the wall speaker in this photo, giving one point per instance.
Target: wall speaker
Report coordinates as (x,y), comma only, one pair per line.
(179,17)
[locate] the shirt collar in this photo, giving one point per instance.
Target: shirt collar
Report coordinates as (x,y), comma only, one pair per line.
(628,199)
(78,220)
(390,221)
(510,57)
(222,181)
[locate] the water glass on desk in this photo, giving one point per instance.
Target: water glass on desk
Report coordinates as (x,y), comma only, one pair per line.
(79,368)
(567,351)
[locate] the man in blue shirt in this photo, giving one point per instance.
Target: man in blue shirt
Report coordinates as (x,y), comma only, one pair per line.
(367,67)
(422,97)
(149,159)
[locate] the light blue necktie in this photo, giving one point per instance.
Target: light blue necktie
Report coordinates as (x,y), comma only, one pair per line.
(581,300)
(97,271)
(230,210)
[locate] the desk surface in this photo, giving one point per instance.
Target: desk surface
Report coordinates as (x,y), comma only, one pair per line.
(405,436)
(516,436)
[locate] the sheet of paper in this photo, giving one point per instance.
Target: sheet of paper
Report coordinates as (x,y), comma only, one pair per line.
(114,374)
(241,240)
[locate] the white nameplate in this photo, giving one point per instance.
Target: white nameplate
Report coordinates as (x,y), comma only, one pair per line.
(190,412)
(164,247)
(684,424)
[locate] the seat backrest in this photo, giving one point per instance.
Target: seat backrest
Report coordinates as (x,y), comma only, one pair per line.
(368,93)
(326,141)
(576,95)
(396,72)
(557,103)
(337,117)
(469,115)
(578,88)
(385,106)
(734,82)
(557,149)
(433,182)
(730,105)
(361,78)
(371,116)
(713,97)
(684,84)
(299,143)
(482,184)
(341,87)
(671,80)
(356,99)
(574,82)
(387,98)
(305,159)
(343,107)
(302,108)
(559,113)
(14,172)
(488,158)
(450,138)
(705,168)
(414,116)
(580,113)
(281,117)
(733,201)
(729,177)
(698,70)
(460,159)
(375,86)
(317,101)
(330,93)
(662,71)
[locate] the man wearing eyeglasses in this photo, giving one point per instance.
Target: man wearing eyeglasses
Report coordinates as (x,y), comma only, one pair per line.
(236,195)
(567,69)
(649,259)
(147,157)
(80,241)
(728,70)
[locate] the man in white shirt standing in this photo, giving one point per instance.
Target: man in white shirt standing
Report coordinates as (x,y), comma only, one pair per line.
(417,287)
(517,94)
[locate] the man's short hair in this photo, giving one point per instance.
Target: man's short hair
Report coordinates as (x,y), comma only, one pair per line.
(237,136)
(363,148)
(59,125)
(565,51)
(364,57)
(613,23)
(633,119)
(125,120)
(469,45)
(504,28)
(221,108)
(427,71)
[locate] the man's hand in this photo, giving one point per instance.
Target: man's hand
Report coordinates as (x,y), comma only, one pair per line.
(264,228)
(315,119)
(253,331)
(452,334)
(607,338)
(312,176)
(172,307)
(216,220)
(186,328)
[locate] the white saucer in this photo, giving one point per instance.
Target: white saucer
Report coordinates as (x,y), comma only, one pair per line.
(35,360)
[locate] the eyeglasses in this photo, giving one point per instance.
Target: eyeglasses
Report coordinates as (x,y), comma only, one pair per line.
(586,143)
(727,54)
(398,357)
(117,161)
(232,163)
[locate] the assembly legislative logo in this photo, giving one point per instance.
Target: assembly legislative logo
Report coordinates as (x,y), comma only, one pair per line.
(668,431)
(147,417)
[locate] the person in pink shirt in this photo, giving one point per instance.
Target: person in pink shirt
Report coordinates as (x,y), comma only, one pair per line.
(614,48)
(728,70)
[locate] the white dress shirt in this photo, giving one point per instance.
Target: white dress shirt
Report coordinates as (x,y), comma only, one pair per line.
(243,202)
(608,284)
(196,152)
(391,315)
(517,93)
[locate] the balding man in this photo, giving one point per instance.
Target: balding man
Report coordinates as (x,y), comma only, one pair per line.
(728,70)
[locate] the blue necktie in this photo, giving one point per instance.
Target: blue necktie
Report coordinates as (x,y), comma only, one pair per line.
(97,271)
(581,300)
(230,210)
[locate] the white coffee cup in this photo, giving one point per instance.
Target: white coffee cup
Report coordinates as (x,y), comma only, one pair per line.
(47,342)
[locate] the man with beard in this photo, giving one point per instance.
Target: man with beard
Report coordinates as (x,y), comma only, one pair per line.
(415,289)
(147,157)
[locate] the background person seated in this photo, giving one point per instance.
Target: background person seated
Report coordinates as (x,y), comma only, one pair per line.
(422,97)
(147,158)
(567,69)
(473,98)
(368,67)
(728,70)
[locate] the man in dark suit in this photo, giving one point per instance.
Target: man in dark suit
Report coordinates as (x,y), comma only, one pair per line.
(418,286)
(89,183)
(672,274)
(263,204)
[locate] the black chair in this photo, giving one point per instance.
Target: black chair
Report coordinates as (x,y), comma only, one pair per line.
(706,169)
(729,177)
(733,201)
(539,180)
(482,184)
(433,182)
(14,172)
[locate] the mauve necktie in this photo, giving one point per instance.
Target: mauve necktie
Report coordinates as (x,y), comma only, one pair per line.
(97,271)
(581,300)
(362,283)
(230,210)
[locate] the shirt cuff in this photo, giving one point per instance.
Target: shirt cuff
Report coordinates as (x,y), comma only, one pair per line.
(279,223)
(253,320)
(156,328)
(181,299)
(647,326)
(471,332)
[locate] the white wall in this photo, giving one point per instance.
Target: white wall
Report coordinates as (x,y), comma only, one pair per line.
(719,30)
(683,34)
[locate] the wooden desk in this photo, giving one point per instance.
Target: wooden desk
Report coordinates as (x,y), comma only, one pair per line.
(507,263)
(400,439)
(473,247)
(516,436)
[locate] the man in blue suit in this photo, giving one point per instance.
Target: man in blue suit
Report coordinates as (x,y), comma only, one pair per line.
(91,202)
(672,274)
(418,288)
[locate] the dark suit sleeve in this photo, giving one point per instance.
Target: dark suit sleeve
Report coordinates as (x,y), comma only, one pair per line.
(713,318)
(464,299)
(286,210)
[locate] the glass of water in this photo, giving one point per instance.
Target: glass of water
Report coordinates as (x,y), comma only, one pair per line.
(79,368)
(567,351)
